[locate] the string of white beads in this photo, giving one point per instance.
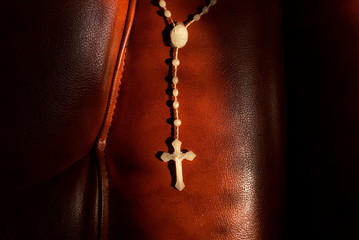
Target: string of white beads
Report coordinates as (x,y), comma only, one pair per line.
(179,37)
(177,122)
(196,17)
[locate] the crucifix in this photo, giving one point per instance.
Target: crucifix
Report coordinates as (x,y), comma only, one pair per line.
(179,38)
(178,156)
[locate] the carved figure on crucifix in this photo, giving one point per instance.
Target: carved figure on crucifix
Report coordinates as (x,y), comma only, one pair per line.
(178,156)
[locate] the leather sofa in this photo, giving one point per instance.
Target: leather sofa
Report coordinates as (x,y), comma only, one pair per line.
(269,102)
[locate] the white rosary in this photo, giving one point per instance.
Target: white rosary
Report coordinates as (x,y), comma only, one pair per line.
(179,38)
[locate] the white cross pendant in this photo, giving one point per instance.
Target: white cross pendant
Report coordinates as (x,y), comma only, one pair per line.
(178,157)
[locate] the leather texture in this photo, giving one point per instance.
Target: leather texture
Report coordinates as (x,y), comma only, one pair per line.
(57,69)
(268,102)
(231,80)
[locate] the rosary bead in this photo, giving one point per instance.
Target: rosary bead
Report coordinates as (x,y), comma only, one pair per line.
(175,62)
(179,35)
(197,17)
(213,2)
(175,92)
(162,3)
(205,9)
(175,80)
(177,122)
(175,104)
(168,13)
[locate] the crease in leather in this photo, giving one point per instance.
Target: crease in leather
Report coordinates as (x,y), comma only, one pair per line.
(102,137)
(116,81)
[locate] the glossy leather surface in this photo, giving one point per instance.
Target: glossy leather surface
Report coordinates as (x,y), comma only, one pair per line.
(63,63)
(57,71)
(57,60)
(230,96)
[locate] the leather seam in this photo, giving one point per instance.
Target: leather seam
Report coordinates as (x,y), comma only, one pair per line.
(103,134)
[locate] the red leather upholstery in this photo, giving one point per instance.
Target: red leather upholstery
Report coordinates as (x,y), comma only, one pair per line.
(230,95)
(268,93)
(57,69)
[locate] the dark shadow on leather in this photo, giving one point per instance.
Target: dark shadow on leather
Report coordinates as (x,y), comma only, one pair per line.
(63,207)
(128,226)
(322,122)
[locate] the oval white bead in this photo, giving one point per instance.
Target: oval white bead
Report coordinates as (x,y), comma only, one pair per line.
(213,2)
(175,92)
(175,104)
(179,35)
(205,9)
(177,122)
(168,13)
(197,17)
(175,62)
(162,3)
(175,80)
